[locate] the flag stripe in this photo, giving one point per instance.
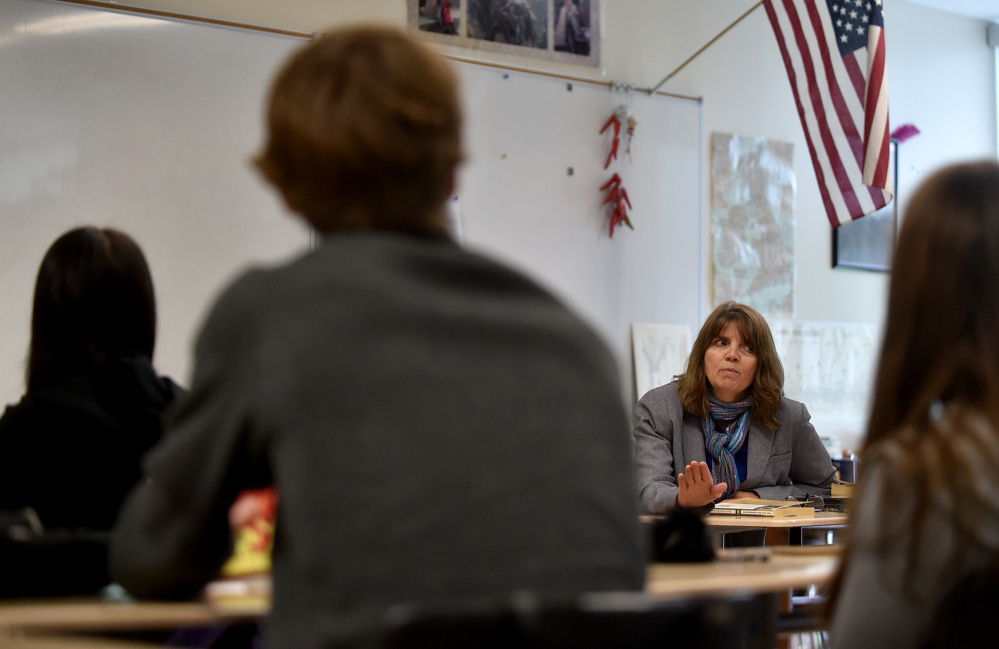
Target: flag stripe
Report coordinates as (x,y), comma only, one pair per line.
(842,101)
(848,141)
(834,173)
(856,74)
(827,198)
(876,115)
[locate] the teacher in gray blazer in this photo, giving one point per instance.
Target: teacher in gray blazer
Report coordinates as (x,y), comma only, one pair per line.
(724,429)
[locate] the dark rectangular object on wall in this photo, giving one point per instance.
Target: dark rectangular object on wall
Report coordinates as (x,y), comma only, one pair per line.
(868,243)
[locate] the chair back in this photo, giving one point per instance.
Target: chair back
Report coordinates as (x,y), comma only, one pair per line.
(35,562)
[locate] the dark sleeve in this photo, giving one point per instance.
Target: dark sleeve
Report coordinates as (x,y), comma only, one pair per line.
(812,470)
(12,479)
(173,535)
(653,435)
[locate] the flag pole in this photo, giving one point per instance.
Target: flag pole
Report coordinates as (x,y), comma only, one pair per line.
(706,46)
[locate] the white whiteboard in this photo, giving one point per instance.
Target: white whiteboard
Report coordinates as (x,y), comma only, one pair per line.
(518,201)
(147,124)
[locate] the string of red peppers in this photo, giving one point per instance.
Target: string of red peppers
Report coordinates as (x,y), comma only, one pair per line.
(617,196)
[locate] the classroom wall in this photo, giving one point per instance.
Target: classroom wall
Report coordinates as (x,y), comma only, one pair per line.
(142,125)
(940,75)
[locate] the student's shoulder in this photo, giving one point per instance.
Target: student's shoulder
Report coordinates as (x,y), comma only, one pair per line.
(254,288)
(70,405)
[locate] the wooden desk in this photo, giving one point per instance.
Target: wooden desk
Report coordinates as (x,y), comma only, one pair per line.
(790,526)
(86,615)
(756,570)
(760,570)
(740,570)
(67,642)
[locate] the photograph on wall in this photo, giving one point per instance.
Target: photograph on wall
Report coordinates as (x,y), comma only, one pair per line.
(869,242)
(511,22)
(439,16)
(556,30)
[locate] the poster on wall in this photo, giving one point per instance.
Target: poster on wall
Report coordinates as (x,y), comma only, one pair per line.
(752,222)
(557,30)
(660,352)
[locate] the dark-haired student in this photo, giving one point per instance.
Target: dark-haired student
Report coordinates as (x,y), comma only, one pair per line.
(724,429)
(71,448)
(927,514)
(438,426)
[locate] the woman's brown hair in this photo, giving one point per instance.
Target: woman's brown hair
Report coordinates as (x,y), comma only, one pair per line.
(364,132)
(768,385)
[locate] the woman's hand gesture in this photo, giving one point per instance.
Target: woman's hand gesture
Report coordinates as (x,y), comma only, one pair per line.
(697,487)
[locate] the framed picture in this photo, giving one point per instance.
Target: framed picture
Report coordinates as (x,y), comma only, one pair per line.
(556,30)
(868,243)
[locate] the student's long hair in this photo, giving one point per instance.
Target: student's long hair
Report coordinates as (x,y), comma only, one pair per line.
(768,384)
(935,411)
(940,338)
(93,300)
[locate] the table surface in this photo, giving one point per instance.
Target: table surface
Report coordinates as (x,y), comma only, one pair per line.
(70,642)
(761,570)
(91,614)
(819,519)
(736,570)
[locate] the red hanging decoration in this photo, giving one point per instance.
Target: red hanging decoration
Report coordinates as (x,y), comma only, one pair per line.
(617,197)
(616,123)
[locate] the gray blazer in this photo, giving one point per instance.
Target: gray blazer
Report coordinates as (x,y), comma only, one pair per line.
(789,461)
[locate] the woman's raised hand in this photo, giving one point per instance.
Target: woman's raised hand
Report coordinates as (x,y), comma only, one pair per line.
(697,487)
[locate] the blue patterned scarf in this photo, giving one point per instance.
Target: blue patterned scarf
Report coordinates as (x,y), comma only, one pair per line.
(723,445)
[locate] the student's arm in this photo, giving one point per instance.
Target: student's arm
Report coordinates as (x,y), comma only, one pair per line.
(173,533)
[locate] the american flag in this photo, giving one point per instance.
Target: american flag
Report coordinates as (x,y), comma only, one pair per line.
(834,51)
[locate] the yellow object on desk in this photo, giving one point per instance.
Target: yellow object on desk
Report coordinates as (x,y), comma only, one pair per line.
(254,515)
(252,551)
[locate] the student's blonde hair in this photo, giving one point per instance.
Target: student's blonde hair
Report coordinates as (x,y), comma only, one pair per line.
(364,132)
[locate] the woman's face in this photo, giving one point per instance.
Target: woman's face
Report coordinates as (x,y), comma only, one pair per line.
(730,365)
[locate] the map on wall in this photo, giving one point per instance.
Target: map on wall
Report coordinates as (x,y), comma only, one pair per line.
(752,222)
(660,353)
(828,366)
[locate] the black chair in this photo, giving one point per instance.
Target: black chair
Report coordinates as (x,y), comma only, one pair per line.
(591,621)
(35,562)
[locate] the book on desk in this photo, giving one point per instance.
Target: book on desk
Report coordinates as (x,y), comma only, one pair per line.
(762,508)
